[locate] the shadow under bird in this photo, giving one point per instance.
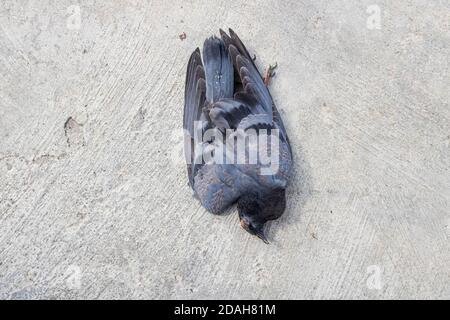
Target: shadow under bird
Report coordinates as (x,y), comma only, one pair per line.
(226,92)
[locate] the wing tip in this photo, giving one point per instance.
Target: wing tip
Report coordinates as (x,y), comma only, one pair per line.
(195,55)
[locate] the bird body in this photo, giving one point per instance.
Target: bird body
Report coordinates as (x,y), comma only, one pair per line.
(226,100)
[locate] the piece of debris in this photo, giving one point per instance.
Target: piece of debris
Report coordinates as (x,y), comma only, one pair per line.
(74,133)
(314,235)
(182,36)
(269,73)
(138,119)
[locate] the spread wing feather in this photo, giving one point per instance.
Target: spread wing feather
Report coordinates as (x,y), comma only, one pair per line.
(194,100)
(250,79)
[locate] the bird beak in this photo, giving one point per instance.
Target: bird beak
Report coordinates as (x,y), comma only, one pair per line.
(260,234)
(244,224)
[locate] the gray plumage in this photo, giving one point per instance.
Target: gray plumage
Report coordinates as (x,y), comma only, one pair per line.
(226,91)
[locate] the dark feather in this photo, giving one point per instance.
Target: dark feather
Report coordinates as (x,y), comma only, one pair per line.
(252,81)
(218,70)
(194,94)
(194,100)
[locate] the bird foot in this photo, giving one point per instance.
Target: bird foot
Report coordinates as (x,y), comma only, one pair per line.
(270,73)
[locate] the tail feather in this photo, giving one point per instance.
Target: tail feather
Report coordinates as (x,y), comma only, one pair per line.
(218,70)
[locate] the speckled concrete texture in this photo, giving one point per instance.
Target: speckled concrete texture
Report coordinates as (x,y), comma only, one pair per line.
(95,204)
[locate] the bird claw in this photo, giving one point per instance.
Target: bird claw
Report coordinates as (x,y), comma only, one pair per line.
(270,73)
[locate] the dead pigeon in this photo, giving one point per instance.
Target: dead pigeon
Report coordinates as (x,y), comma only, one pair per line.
(226,94)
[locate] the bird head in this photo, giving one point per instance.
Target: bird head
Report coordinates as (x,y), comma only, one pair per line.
(250,219)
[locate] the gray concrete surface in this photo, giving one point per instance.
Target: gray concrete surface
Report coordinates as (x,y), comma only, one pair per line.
(94,204)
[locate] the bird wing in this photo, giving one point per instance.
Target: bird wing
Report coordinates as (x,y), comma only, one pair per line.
(261,110)
(252,84)
(194,101)
(214,185)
